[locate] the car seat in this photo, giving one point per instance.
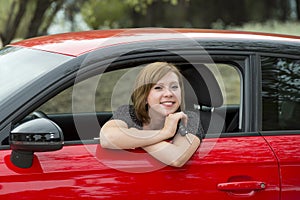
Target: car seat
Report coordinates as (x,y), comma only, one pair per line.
(203,94)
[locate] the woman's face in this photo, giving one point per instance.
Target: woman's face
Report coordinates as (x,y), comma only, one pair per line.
(165,96)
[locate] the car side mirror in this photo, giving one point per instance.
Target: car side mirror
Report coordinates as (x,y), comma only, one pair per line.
(37,135)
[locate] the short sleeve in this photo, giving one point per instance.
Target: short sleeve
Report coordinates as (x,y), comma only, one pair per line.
(126,113)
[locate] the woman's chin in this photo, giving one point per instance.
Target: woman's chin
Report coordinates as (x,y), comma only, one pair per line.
(164,111)
(169,111)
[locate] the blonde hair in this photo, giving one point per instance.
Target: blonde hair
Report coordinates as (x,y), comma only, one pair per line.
(145,80)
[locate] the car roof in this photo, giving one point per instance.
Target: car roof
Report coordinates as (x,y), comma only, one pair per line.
(78,43)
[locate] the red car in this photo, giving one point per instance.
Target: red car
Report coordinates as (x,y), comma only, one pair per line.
(57,91)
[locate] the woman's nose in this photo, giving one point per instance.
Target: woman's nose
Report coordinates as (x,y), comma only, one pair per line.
(168,92)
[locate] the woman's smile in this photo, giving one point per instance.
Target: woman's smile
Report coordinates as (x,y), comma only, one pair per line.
(165,96)
(168,103)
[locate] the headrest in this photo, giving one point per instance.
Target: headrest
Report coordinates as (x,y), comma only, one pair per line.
(202,86)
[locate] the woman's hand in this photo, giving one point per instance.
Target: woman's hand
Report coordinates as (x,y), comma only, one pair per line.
(171,122)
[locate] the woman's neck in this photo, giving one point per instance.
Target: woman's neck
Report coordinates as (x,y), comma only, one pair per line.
(156,122)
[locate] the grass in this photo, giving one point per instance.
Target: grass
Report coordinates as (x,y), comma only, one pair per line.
(287,28)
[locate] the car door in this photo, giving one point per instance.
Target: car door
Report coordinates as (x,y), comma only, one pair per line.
(280,122)
(89,172)
(230,165)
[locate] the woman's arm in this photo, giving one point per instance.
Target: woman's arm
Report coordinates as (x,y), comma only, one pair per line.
(176,153)
(115,134)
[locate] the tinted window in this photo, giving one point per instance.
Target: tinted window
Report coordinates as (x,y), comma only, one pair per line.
(280,93)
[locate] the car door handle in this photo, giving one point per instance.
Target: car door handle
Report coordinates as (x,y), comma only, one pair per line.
(241,186)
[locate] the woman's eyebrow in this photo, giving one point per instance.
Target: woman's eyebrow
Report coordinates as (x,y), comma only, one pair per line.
(168,82)
(174,82)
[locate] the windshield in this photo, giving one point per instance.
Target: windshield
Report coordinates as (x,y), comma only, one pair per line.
(20,66)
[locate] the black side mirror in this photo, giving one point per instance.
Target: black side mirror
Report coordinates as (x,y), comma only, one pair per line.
(37,135)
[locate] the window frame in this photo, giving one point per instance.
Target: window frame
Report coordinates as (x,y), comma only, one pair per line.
(240,59)
(243,62)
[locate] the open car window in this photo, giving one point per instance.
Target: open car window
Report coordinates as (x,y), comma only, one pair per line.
(94,94)
(99,95)
(119,82)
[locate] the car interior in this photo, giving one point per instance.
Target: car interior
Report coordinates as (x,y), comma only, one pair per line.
(202,94)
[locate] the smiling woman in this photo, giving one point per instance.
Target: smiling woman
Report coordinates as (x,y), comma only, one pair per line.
(158,108)
(159,86)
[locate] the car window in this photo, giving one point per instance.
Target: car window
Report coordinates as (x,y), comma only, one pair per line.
(280,93)
(99,93)
(109,90)
(229,80)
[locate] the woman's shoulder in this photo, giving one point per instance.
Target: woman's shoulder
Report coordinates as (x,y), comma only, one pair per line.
(127,114)
(124,109)
(124,112)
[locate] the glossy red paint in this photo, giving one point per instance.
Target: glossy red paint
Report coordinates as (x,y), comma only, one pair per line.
(287,150)
(78,43)
(89,172)
(223,168)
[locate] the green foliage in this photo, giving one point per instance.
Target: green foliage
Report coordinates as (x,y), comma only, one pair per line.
(119,14)
(8,10)
(4,10)
(106,14)
(26,18)
(288,27)
(141,6)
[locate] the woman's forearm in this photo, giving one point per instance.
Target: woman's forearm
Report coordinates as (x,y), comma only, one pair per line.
(177,153)
(116,135)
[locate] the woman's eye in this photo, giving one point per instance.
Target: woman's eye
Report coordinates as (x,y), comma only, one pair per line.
(174,87)
(157,87)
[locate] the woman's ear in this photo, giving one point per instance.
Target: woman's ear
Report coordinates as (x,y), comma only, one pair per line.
(146,106)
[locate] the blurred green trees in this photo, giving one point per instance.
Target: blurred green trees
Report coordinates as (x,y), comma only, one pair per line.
(30,18)
(26,18)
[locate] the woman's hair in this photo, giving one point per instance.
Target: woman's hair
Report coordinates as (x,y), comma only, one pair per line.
(145,80)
